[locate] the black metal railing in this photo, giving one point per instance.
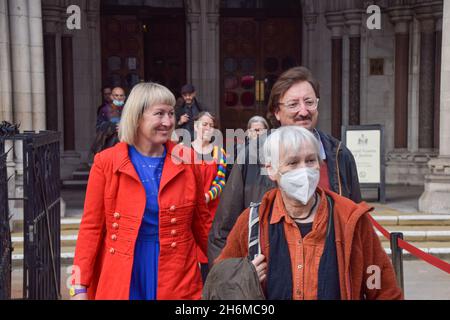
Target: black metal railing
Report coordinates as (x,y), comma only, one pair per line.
(397,258)
(42,214)
(5,234)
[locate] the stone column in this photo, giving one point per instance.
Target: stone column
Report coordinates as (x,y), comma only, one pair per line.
(19,25)
(20,58)
(310,22)
(6,108)
(68,93)
(213,76)
(435,198)
(194,55)
(401,17)
(52,18)
(353,21)
(437,77)
(37,64)
(6,105)
(93,22)
(425,13)
(335,21)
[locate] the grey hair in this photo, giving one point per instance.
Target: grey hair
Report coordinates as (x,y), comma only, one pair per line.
(257,119)
(291,138)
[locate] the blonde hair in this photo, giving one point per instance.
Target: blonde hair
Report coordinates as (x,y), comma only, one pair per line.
(142,96)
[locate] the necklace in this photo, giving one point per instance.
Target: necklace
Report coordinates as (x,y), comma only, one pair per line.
(310,211)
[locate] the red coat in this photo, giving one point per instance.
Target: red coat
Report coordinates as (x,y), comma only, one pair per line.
(208,172)
(114,207)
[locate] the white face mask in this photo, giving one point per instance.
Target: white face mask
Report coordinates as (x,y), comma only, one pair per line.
(300,184)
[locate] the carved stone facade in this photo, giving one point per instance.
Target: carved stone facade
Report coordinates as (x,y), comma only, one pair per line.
(403,95)
(436,198)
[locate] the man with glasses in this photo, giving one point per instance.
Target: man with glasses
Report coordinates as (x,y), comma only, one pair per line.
(294,101)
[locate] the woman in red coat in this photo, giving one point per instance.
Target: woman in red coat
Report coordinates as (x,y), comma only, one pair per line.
(145,211)
(212,164)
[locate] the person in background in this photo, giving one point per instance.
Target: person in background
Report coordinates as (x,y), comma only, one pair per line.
(315,244)
(294,101)
(256,126)
(145,212)
(106,98)
(108,122)
(187,109)
(111,112)
(212,166)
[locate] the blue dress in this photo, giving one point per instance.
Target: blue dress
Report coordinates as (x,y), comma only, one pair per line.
(144,278)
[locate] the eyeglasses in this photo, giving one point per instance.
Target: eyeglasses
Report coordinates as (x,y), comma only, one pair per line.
(295,105)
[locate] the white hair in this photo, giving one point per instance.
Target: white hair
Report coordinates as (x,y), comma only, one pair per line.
(257,119)
(291,138)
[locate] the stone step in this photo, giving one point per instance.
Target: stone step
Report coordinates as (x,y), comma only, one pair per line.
(74,184)
(418,236)
(80,175)
(419,233)
(412,220)
(66,224)
(67,240)
(70,224)
(440,250)
(67,255)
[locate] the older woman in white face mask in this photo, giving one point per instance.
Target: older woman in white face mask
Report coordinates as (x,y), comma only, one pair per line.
(315,244)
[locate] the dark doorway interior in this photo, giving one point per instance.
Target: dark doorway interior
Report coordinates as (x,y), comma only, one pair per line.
(256,47)
(143,44)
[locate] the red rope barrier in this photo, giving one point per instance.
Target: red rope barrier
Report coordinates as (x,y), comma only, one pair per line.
(436,262)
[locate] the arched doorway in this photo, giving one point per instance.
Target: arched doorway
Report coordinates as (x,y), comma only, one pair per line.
(143,41)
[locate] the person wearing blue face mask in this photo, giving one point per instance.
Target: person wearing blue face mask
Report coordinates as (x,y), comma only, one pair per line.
(118,96)
(108,120)
(111,112)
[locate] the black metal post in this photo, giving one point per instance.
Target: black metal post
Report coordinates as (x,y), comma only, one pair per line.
(397,258)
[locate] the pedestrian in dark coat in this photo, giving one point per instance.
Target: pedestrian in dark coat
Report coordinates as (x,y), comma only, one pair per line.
(294,100)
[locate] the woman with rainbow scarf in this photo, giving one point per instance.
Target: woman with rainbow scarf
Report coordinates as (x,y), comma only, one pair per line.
(212,162)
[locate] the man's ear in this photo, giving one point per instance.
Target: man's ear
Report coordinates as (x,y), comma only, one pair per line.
(277,114)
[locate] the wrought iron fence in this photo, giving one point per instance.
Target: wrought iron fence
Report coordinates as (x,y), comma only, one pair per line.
(5,234)
(42,215)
